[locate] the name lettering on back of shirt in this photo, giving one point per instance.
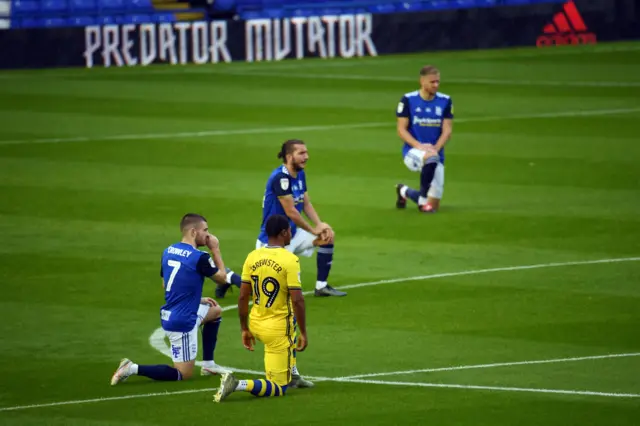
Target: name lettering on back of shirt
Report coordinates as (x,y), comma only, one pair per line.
(179,252)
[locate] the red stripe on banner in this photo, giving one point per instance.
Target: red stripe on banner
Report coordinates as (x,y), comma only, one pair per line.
(549,29)
(561,22)
(574,16)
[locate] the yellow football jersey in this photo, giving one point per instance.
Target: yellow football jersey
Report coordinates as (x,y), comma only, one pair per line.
(272,271)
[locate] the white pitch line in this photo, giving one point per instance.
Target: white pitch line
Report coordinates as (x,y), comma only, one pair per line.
(494,388)
(493,365)
(105,399)
(264,130)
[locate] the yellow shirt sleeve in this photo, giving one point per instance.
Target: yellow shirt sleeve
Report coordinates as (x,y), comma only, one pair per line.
(246,269)
(293,273)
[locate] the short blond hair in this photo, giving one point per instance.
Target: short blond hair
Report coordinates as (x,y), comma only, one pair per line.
(429,70)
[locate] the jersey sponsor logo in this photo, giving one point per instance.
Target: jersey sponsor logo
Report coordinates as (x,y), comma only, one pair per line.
(567,27)
(427,122)
(284,184)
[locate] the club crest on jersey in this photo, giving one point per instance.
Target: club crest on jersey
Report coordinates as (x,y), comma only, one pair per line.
(284,184)
(438,111)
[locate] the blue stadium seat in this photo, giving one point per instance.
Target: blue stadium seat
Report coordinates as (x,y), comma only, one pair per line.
(272,13)
(82,21)
(83,6)
(163,17)
(25,7)
(54,6)
(410,6)
(29,23)
(55,22)
(251,14)
(382,8)
(139,4)
(136,19)
(105,20)
(111,4)
(302,12)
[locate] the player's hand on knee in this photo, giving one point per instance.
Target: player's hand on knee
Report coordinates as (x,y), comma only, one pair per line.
(208,301)
(320,228)
(302,343)
(248,341)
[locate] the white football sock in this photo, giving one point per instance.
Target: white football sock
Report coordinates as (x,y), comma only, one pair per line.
(294,370)
(320,285)
(403,191)
(133,368)
(422,201)
(242,385)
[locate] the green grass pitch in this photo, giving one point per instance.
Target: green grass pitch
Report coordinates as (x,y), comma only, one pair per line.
(97,166)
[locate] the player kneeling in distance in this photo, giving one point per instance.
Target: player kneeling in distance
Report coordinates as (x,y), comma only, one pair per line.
(272,274)
(424,123)
(183,269)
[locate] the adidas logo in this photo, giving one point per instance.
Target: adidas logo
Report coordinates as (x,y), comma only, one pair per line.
(567,27)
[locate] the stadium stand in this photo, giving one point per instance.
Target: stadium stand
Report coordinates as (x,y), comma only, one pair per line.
(73,13)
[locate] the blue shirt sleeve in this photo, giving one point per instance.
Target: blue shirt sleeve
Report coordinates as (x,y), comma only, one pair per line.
(281,185)
(403,109)
(448,110)
(205,265)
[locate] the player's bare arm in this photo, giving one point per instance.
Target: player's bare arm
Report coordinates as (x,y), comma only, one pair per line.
(248,341)
(327,235)
(290,210)
(213,244)
(297,299)
(447,129)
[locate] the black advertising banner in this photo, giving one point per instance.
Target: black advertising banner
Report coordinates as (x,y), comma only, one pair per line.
(345,36)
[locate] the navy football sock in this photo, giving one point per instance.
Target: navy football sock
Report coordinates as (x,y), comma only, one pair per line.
(210,338)
(234,279)
(324,260)
(413,195)
(426,176)
(159,372)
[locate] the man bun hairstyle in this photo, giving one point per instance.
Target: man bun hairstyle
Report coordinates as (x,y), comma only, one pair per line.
(190,219)
(288,147)
(276,224)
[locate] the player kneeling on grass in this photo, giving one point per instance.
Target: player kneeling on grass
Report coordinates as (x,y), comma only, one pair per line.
(424,123)
(183,270)
(272,274)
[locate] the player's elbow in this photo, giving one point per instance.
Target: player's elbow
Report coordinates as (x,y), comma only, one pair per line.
(220,277)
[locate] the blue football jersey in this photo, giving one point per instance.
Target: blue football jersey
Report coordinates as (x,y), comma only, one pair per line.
(425,117)
(183,270)
(281,183)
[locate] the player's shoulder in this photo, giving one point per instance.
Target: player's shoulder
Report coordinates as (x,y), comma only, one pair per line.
(412,94)
(280,172)
(289,258)
(442,95)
